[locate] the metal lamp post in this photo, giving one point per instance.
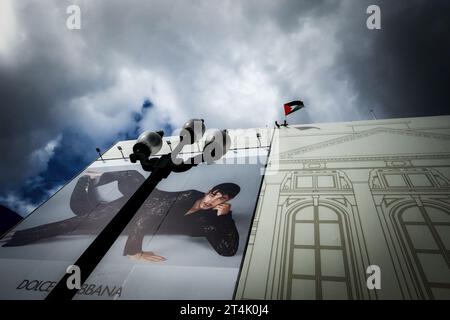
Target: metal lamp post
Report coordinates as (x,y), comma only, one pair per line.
(148,144)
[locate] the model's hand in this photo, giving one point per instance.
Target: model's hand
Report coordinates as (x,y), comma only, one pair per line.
(148,256)
(222,209)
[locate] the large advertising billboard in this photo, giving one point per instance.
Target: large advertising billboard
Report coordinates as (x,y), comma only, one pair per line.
(34,255)
(185,242)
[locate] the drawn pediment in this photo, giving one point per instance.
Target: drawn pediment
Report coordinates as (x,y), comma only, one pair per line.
(377,141)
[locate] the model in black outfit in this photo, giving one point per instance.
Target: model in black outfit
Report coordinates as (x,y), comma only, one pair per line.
(190,212)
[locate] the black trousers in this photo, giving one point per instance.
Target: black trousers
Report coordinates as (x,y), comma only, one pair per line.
(91,214)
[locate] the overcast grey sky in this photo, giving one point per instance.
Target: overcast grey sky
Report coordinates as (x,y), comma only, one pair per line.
(234,63)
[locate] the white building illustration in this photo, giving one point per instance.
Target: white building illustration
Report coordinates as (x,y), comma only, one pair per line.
(340,197)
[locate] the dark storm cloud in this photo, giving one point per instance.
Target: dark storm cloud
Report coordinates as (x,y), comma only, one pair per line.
(402,70)
(63,93)
(35,84)
(289,13)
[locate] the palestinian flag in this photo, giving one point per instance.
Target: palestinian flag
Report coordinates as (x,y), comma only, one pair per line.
(292,106)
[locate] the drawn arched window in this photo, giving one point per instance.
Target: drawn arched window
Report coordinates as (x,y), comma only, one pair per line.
(427,232)
(317,262)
